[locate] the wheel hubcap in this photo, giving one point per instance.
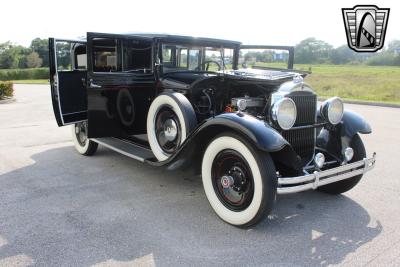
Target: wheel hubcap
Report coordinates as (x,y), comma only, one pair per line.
(232,180)
(167,129)
(227,181)
(170,130)
(81,133)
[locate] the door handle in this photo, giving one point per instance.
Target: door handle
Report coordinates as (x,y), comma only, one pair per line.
(94,86)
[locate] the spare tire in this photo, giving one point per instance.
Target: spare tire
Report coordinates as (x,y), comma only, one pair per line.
(170,120)
(125,107)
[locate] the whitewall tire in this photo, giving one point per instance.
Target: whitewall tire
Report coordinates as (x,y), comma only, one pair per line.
(169,121)
(79,136)
(239,181)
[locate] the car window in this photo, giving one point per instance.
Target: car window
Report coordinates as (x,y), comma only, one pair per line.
(182,60)
(80,57)
(167,55)
(105,55)
(263,58)
(63,56)
(136,56)
(194,59)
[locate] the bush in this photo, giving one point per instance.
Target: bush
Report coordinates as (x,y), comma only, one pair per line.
(6,89)
(24,74)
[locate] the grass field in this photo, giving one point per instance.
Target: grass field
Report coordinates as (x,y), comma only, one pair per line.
(43,81)
(380,84)
(355,82)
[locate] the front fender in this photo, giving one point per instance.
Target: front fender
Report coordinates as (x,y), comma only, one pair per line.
(335,140)
(259,132)
(354,123)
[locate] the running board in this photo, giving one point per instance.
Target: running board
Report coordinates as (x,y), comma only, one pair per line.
(126,148)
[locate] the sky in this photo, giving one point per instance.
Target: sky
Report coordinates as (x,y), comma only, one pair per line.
(268,22)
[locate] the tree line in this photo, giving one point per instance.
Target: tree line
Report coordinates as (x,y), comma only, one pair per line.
(308,51)
(313,51)
(17,56)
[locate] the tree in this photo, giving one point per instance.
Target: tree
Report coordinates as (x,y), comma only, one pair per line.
(41,46)
(10,55)
(342,55)
(394,46)
(33,60)
(311,50)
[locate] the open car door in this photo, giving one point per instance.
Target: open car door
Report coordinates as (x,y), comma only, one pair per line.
(68,64)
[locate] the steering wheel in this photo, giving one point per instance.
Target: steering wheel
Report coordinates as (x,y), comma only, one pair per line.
(206,64)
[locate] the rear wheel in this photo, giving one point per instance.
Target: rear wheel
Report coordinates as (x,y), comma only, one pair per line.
(82,144)
(239,181)
(345,185)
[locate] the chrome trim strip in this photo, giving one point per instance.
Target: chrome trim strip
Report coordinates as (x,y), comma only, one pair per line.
(288,185)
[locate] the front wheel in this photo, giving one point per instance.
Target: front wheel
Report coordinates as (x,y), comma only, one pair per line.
(239,181)
(82,144)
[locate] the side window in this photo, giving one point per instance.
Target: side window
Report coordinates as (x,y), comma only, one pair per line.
(80,57)
(70,56)
(167,55)
(182,61)
(63,56)
(105,55)
(136,55)
(194,59)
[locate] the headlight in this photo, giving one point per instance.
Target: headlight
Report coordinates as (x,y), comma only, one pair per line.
(332,110)
(284,112)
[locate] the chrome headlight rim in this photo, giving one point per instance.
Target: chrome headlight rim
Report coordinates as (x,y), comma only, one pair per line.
(327,110)
(276,115)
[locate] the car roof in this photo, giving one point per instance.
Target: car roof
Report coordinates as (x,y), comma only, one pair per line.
(179,38)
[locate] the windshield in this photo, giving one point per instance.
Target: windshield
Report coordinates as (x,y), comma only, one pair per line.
(261,58)
(178,57)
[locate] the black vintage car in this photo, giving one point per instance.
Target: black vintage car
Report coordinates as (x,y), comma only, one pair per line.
(238,115)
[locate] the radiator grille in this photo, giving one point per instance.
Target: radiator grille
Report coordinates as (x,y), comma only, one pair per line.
(306,106)
(303,140)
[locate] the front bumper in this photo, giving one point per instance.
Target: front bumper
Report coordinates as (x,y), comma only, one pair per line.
(287,185)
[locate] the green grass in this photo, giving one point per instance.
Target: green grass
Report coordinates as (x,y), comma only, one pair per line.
(42,81)
(355,82)
(368,83)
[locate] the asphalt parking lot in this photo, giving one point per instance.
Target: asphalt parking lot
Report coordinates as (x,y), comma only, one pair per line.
(58,208)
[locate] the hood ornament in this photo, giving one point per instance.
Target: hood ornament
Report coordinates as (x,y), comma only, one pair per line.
(298,79)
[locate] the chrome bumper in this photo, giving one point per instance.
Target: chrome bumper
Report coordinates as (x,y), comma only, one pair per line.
(287,185)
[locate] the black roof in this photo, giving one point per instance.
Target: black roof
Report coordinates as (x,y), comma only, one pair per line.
(181,39)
